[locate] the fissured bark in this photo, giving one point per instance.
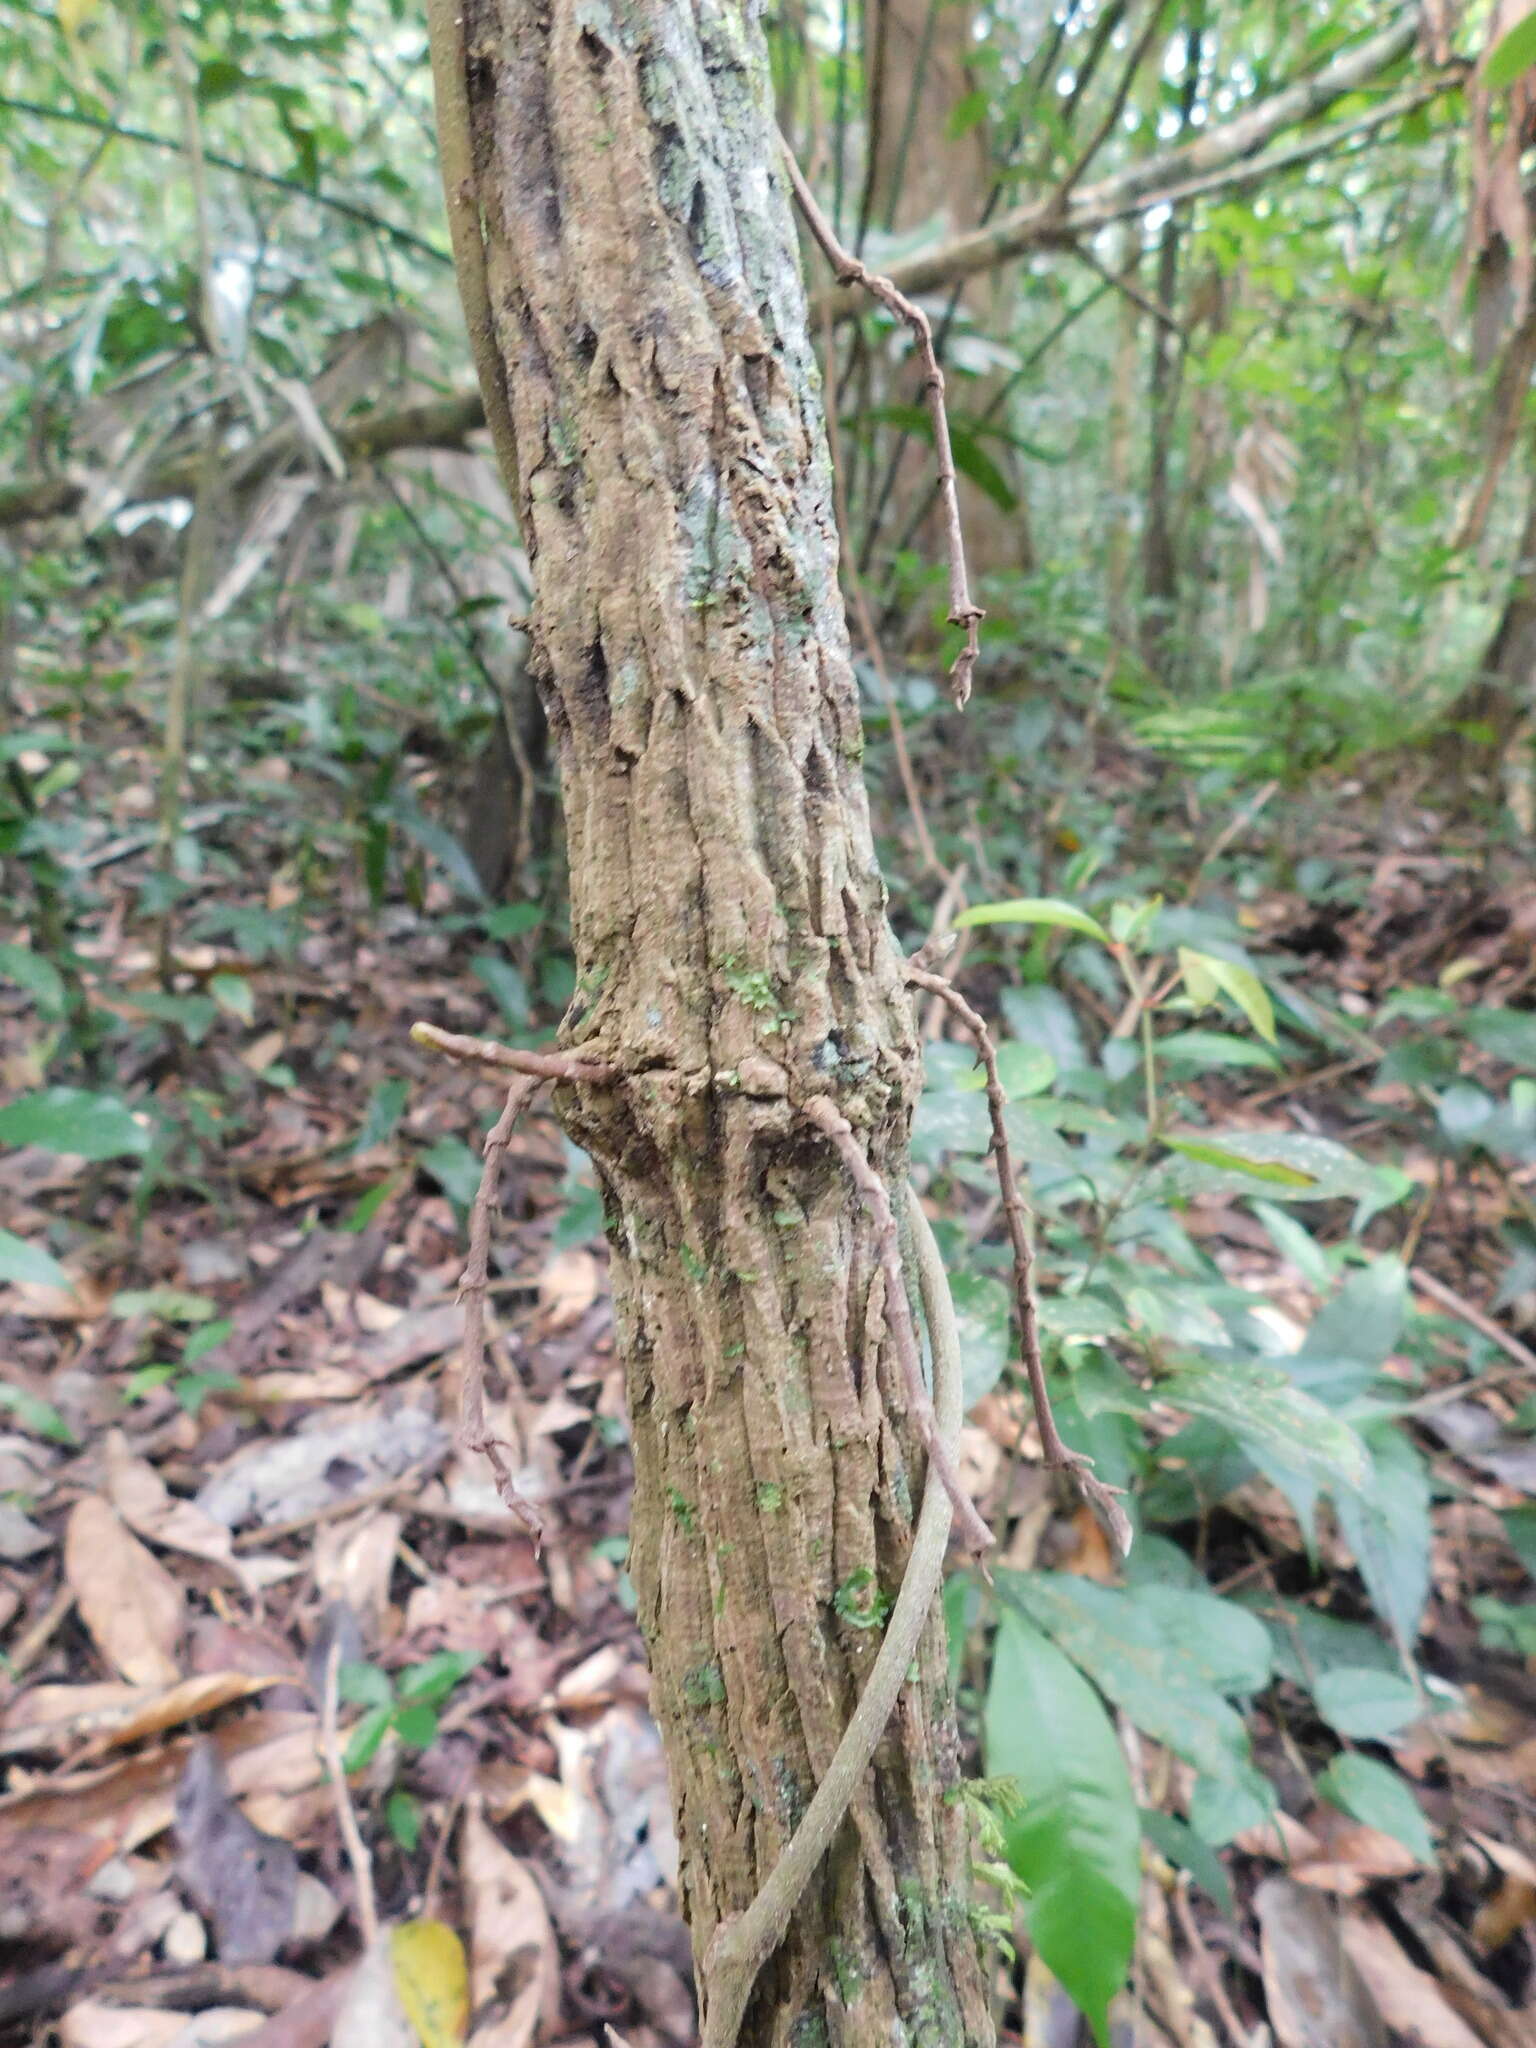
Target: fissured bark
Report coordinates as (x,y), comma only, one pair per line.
(733,954)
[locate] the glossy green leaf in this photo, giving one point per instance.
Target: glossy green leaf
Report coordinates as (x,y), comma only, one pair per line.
(983,1309)
(1332,1171)
(1075,1840)
(1364,1704)
(1177,1841)
(1047,910)
(1140,1655)
(1373,1792)
(1386,1525)
(29,1262)
(1509,1035)
(1246,1169)
(1039,1015)
(39,977)
(1365,1319)
(365,1739)
(1201,1049)
(1024,1069)
(416,1725)
(432,1681)
(506,985)
(1511,56)
(1270,1416)
(1241,984)
(33,1413)
(75,1121)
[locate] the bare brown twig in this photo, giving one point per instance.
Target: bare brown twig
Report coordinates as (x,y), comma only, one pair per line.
(351,1835)
(824,1113)
(868,632)
(473,1433)
(1100,1498)
(486,1052)
(848,270)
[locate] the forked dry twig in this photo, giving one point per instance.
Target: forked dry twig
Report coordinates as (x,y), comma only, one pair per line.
(963,609)
(1100,1498)
(473,1432)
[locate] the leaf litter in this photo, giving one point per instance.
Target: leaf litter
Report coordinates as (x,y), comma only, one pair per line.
(179,1550)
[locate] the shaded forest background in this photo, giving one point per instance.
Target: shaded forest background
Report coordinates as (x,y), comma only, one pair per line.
(1235,307)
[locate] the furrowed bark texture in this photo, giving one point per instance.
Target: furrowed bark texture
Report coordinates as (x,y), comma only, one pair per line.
(728,919)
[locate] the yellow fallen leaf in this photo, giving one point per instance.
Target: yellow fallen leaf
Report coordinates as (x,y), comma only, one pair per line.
(432,1978)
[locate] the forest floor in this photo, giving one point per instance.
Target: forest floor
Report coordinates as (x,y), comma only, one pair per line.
(237,1536)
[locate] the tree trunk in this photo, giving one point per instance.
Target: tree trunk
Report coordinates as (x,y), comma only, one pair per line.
(647,327)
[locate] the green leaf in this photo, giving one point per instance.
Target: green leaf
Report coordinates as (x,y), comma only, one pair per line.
(1509,1035)
(363,1743)
(1365,1319)
(363,1685)
(1373,1792)
(1075,1840)
(232,993)
(510,920)
(1178,1842)
(416,1725)
(506,985)
(1386,1525)
(193,1388)
(33,1413)
(1332,1171)
(403,1814)
(1511,56)
(73,1120)
(1130,1647)
(1240,983)
(431,1681)
(219,79)
(165,1304)
(1024,1069)
(1234,1162)
(967,113)
(973,461)
(1035,910)
(1520,1533)
(29,1262)
(207,1339)
(1271,1417)
(983,1307)
(1201,1049)
(1364,1704)
(385,1108)
(1042,1016)
(1220,1808)
(455,1169)
(38,976)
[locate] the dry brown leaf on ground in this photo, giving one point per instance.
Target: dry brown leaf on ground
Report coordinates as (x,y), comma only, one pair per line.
(138,1493)
(1349,1855)
(243,1881)
(568,1286)
(353,1561)
(95,2024)
(109,1716)
(1408,1998)
(307,2021)
(272,1758)
(1511,1904)
(1316,1995)
(371,2014)
(128,1601)
(513,1957)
